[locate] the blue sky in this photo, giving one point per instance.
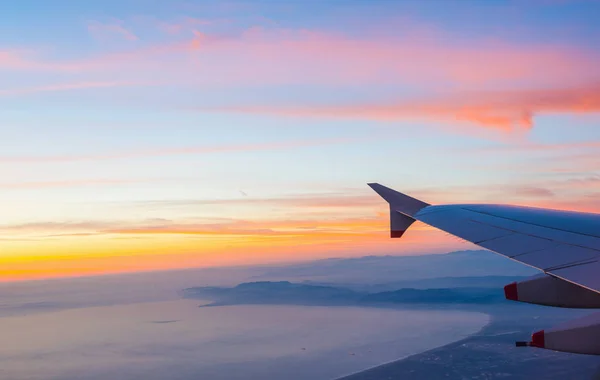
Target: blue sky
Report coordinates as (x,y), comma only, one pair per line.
(245,119)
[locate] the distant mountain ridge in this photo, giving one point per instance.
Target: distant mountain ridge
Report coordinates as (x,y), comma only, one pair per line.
(465,277)
(285,292)
(280,292)
(380,270)
(490,282)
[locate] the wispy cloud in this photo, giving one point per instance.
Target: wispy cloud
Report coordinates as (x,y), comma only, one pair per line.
(186,24)
(274,227)
(277,56)
(311,201)
(535,192)
(115,28)
(506,110)
(429,61)
(555,159)
(266,228)
(58,226)
(576,194)
(536,147)
(70,183)
(22,59)
(579,193)
(192,150)
(63,87)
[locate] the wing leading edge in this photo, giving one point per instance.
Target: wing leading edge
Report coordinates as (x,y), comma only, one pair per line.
(564,245)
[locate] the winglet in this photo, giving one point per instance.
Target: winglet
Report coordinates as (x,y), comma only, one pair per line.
(402,208)
(398,201)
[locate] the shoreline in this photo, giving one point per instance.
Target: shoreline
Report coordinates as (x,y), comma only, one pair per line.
(491,352)
(391,362)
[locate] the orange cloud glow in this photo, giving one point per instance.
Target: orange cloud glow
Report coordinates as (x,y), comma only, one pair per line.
(53,249)
(429,60)
(504,110)
(175,70)
(180,246)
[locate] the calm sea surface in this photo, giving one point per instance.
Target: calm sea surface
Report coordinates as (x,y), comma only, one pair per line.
(176,339)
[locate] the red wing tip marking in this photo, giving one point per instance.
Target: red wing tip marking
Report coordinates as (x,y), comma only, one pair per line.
(397,234)
(510,292)
(537,339)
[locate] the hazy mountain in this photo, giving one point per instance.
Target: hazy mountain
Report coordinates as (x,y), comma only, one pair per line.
(282,292)
(286,293)
(374,270)
(457,277)
(494,282)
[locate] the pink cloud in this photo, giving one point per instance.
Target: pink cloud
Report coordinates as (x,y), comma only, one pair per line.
(534,192)
(506,110)
(187,24)
(586,203)
(170,28)
(428,60)
(577,162)
(529,146)
(260,55)
(576,192)
(280,56)
(20,59)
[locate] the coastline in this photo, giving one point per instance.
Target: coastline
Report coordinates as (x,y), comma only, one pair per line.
(351,375)
(491,353)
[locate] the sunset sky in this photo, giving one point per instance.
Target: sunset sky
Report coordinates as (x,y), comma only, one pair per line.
(146,134)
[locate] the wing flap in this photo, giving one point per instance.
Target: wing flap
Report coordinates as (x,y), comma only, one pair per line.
(539,231)
(581,223)
(559,256)
(540,247)
(586,275)
(458,223)
(518,244)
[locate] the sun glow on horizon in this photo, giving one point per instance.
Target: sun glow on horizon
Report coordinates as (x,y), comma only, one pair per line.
(209,135)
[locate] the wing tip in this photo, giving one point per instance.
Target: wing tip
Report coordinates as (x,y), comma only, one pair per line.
(400,201)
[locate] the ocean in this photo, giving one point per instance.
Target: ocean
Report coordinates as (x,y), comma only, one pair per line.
(176,339)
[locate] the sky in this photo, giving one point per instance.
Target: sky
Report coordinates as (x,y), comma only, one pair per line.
(149,135)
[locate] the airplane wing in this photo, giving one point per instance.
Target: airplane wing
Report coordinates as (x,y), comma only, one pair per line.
(564,245)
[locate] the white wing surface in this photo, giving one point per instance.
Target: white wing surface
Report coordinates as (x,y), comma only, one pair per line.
(564,245)
(561,243)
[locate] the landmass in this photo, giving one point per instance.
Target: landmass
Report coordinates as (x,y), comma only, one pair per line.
(491,354)
(287,293)
(465,280)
